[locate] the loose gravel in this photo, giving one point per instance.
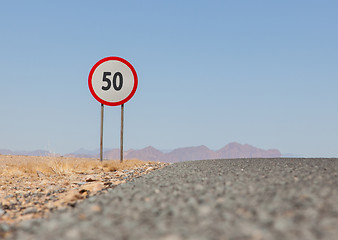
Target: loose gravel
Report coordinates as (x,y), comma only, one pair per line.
(210,199)
(28,196)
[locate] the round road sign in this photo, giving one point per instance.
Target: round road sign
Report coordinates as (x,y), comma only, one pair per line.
(112,81)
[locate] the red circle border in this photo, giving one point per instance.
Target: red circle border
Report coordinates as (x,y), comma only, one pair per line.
(91,86)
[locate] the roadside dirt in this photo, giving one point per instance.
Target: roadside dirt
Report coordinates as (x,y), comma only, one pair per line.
(33,187)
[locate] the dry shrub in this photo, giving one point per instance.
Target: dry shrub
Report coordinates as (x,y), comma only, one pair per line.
(27,165)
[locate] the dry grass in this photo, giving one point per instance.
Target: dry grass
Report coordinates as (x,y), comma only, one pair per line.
(62,166)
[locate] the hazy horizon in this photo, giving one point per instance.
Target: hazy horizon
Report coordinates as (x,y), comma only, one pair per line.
(107,149)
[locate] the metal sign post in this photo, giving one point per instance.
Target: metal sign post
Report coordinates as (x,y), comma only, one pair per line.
(121,137)
(112,81)
(101,134)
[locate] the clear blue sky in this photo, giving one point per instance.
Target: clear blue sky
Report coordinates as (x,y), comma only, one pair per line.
(263,73)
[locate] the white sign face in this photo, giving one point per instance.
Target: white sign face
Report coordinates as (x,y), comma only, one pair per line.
(112,81)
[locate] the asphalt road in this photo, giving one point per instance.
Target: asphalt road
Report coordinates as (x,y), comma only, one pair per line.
(211,199)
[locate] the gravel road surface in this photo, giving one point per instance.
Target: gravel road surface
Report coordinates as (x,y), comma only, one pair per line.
(210,199)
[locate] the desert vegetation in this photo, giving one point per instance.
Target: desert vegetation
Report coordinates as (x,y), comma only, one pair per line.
(29,166)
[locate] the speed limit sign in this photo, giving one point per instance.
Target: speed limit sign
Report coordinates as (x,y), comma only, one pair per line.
(112,81)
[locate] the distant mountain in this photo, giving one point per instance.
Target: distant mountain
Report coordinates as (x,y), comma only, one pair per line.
(236,150)
(147,154)
(189,153)
(84,153)
(26,153)
(231,150)
(6,152)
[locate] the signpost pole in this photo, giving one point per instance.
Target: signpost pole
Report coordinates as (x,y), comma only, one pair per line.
(121,139)
(101,134)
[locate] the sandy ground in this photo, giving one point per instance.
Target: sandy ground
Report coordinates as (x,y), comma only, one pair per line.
(33,187)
